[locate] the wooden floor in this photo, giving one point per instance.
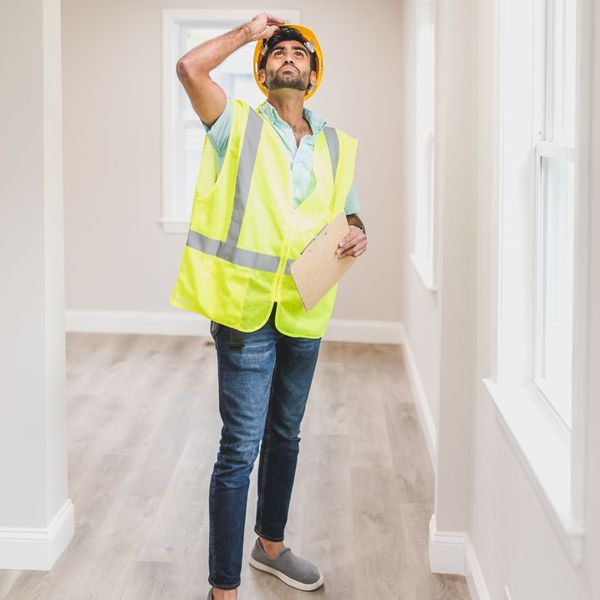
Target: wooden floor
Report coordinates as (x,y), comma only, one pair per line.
(143,436)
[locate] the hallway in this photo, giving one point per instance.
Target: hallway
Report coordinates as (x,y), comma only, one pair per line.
(449,447)
(143,435)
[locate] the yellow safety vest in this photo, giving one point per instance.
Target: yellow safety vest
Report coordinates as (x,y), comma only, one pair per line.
(245,233)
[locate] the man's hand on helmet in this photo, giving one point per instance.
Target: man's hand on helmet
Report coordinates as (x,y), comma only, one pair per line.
(263,26)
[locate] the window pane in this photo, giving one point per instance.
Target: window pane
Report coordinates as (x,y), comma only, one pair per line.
(426,66)
(430,193)
(193,144)
(190,38)
(194,36)
(563,76)
(557,283)
(425,125)
(235,75)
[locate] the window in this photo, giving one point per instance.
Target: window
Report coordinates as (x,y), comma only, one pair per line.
(422,256)
(183,133)
(555,198)
(541,283)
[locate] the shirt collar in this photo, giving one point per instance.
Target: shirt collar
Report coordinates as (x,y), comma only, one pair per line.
(316,122)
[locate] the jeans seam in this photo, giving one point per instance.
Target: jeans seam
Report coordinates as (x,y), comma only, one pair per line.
(212,533)
(212,490)
(220,586)
(268,538)
(215,333)
(263,483)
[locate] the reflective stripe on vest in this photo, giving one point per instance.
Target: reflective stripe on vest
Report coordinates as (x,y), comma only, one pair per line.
(229,249)
(333,143)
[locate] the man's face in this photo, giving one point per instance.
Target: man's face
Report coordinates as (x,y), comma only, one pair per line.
(288,66)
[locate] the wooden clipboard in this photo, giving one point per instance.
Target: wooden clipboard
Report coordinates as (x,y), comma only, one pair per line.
(318,268)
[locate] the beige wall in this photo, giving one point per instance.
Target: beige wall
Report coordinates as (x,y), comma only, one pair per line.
(419,306)
(117,256)
(36,515)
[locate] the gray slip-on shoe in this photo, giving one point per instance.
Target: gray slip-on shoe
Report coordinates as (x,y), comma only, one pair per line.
(291,569)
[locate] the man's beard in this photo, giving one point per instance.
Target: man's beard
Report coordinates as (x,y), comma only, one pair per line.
(298,81)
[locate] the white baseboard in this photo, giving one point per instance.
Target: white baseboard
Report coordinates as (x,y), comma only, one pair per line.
(188,323)
(37,548)
(418,391)
(449,552)
(446,550)
(121,321)
(452,552)
(368,332)
(475,581)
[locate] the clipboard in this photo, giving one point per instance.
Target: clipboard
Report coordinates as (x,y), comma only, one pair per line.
(318,268)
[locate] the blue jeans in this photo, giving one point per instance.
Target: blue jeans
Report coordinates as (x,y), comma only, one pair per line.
(264,381)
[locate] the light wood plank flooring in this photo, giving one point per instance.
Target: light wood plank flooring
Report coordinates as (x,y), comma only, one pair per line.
(143,436)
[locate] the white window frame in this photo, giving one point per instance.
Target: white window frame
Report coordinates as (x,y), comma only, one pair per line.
(547,147)
(172,20)
(423,254)
(552,456)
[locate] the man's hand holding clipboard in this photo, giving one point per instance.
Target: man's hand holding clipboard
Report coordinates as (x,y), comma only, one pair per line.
(319,266)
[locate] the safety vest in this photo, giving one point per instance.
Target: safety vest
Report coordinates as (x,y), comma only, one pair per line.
(245,233)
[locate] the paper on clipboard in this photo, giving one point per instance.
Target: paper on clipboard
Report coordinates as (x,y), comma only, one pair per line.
(318,268)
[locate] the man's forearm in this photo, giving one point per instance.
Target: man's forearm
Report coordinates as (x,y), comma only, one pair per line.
(354,219)
(210,54)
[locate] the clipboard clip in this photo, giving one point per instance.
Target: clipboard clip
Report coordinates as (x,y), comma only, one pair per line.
(314,238)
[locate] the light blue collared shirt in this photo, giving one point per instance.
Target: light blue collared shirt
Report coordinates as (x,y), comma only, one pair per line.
(303,177)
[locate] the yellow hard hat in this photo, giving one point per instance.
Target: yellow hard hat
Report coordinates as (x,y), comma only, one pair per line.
(312,45)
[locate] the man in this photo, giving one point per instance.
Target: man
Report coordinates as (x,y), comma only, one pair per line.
(269,180)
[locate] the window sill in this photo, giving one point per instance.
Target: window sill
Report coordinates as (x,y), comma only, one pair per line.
(545,456)
(424,267)
(174,226)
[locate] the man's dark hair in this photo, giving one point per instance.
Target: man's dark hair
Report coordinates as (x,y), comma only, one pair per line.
(281,35)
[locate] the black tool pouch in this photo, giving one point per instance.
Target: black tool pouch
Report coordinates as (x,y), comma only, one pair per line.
(236,338)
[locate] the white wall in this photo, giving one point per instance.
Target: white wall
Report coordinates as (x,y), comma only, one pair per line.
(483,490)
(418,305)
(439,326)
(117,256)
(36,515)
(515,540)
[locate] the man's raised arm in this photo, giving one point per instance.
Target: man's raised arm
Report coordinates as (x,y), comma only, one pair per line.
(207,97)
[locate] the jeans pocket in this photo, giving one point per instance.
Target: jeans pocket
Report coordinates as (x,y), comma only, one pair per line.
(214,328)
(237,339)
